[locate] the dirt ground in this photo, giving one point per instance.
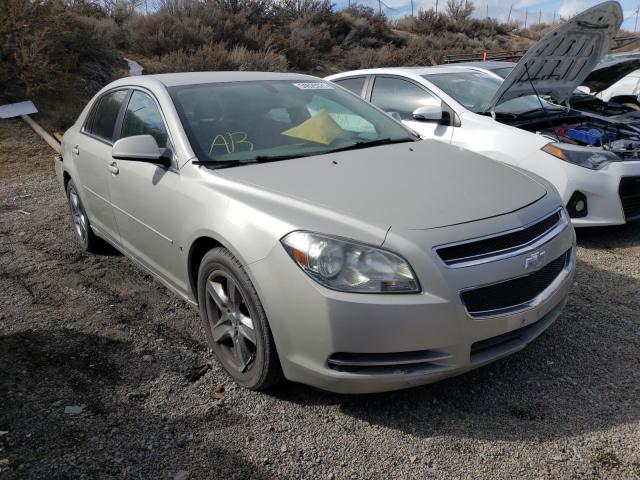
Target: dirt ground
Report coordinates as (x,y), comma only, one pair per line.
(96,338)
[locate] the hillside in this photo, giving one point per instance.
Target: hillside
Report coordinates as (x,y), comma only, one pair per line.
(59,53)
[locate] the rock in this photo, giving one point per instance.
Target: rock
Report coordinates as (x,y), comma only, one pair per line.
(57,403)
(73,409)
(413,458)
(147,358)
(181,475)
(283,448)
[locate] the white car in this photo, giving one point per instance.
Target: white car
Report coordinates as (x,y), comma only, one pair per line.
(592,161)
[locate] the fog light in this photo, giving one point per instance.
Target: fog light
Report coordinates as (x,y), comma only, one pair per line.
(577,205)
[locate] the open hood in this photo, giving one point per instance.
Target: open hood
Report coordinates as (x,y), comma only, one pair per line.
(561,60)
(605,75)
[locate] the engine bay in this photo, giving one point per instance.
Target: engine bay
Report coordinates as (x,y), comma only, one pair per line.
(587,131)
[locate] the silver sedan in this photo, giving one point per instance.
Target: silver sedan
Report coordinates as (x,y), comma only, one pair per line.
(321,240)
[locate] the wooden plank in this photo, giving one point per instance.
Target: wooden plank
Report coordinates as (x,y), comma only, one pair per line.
(53,143)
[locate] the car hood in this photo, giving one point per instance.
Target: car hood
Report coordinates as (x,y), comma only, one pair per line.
(561,60)
(417,185)
(605,75)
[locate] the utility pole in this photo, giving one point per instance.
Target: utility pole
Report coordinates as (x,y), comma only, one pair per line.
(554,17)
(635,25)
(412,8)
(509,16)
(487,11)
(526,15)
(540,17)
(380,7)
(436,7)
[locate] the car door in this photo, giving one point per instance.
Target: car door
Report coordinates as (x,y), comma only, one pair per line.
(145,196)
(402,96)
(92,152)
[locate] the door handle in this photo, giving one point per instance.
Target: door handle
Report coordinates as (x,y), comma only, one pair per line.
(75,150)
(113,168)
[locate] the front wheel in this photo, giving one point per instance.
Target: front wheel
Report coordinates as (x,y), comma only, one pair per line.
(235,324)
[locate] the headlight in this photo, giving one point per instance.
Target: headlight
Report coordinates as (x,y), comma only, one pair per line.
(349,266)
(586,157)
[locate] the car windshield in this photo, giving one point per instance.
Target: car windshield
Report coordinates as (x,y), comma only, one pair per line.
(475,90)
(252,121)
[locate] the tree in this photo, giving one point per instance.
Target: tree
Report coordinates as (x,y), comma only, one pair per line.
(459,10)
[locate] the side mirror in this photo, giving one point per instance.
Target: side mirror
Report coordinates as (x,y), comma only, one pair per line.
(428,113)
(141,148)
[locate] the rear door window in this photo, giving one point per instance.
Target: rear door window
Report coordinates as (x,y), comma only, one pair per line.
(356,84)
(106,113)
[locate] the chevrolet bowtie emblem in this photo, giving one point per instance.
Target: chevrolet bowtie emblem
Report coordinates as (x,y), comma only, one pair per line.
(534,260)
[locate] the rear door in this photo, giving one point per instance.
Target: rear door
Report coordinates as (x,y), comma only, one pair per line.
(402,96)
(146,197)
(92,154)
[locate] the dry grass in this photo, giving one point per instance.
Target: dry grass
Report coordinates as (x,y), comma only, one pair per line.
(60,53)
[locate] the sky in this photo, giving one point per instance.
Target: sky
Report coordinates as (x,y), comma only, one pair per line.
(544,9)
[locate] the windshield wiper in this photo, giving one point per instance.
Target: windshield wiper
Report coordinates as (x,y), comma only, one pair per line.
(372,143)
(249,161)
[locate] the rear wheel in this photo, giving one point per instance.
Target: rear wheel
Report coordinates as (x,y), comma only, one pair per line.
(82,226)
(235,324)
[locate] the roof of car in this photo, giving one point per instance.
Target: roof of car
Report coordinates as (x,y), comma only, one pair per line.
(194,78)
(399,71)
(488,65)
(452,68)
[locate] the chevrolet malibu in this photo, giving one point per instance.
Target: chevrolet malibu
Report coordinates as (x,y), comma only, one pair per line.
(321,240)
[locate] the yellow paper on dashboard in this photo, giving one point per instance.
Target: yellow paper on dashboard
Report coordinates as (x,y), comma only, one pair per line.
(320,128)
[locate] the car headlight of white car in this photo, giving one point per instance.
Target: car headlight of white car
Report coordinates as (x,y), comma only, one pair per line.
(586,157)
(349,266)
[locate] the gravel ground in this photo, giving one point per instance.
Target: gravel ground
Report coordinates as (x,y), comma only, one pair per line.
(103,374)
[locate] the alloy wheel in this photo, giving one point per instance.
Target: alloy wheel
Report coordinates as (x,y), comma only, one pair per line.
(230,321)
(78,215)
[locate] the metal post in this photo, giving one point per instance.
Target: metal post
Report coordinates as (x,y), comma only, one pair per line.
(526,15)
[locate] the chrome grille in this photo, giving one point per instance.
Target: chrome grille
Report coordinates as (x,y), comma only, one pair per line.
(505,244)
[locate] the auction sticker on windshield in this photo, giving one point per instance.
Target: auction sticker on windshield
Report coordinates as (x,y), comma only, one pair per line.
(313,86)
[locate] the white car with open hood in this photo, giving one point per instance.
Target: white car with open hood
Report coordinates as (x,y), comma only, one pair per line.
(592,161)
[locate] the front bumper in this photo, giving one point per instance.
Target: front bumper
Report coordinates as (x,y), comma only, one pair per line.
(313,326)
(602,190)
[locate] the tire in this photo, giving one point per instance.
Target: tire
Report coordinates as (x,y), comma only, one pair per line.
(235,323)
(82,226)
